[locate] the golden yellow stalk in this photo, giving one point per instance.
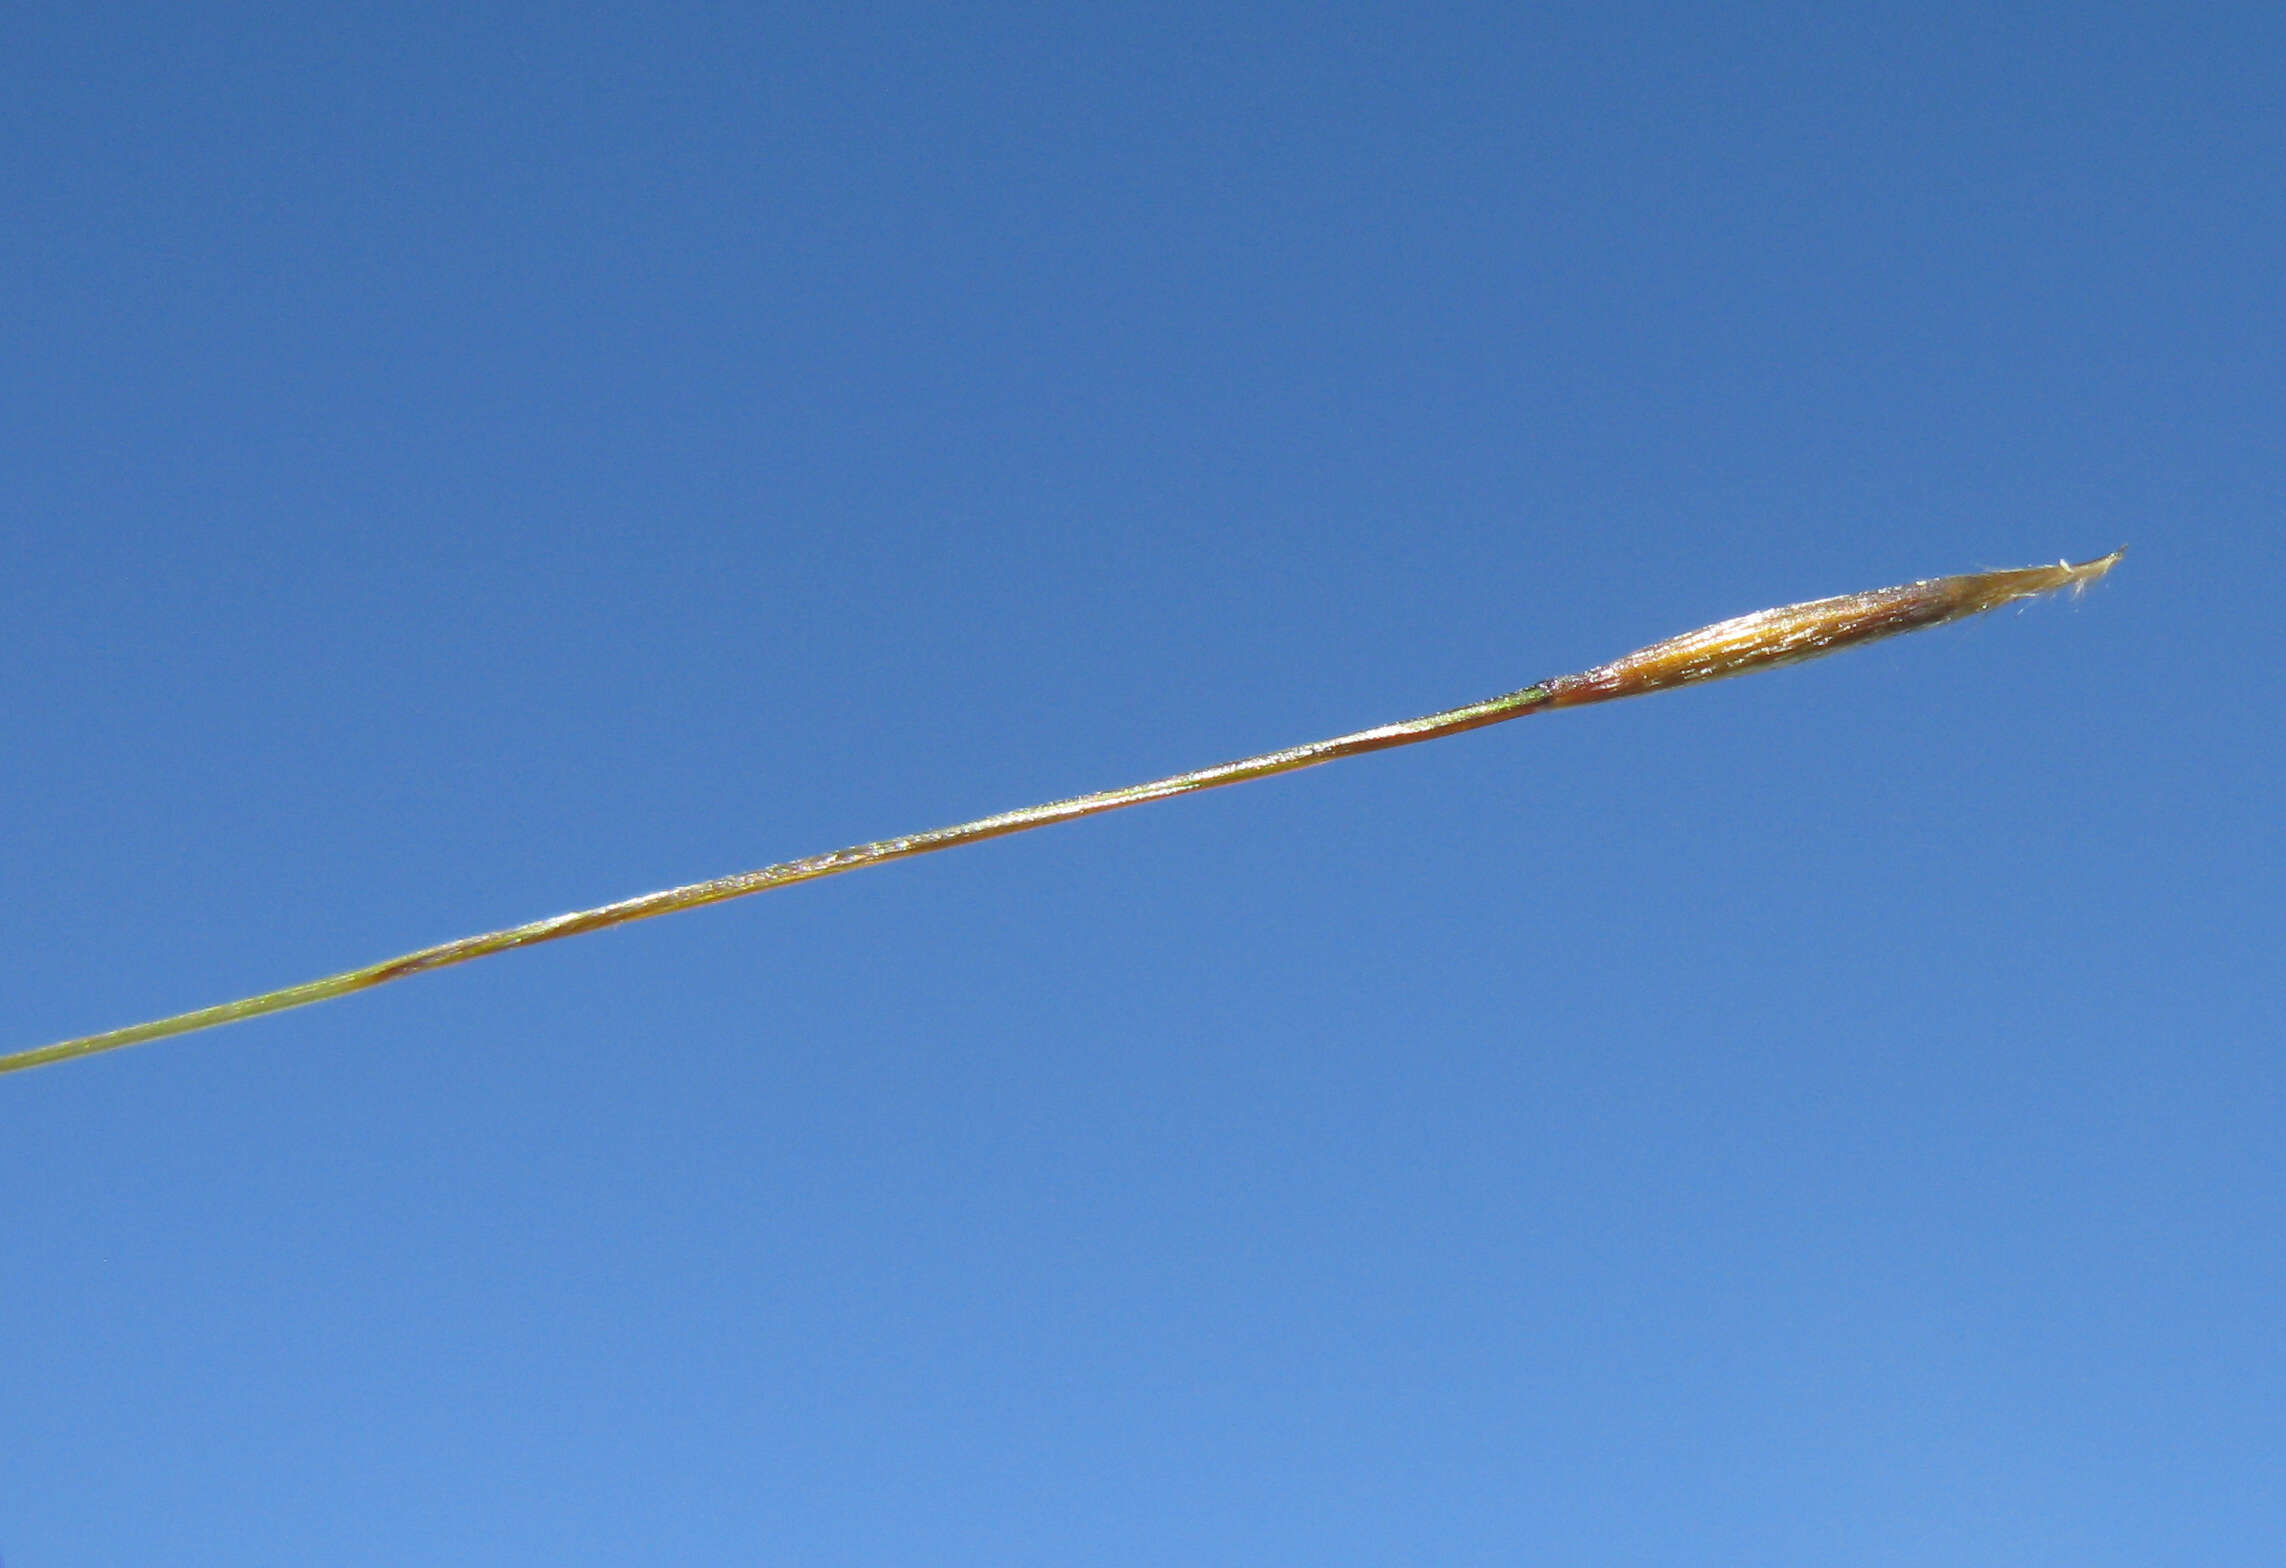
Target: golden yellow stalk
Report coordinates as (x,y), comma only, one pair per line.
(1751,642)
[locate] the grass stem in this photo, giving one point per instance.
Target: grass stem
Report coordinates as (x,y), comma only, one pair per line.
(1751,642)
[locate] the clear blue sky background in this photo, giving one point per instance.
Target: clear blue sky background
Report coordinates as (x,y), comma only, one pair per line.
(465,462)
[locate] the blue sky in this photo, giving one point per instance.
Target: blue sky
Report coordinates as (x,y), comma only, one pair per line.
(468,462)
